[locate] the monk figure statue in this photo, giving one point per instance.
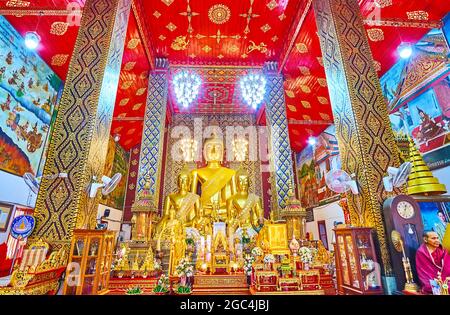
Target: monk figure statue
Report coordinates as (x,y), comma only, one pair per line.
(215,181)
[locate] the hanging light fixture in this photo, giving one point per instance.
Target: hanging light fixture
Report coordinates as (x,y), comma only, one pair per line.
(253,89)
(405,50)
(32,40)
(186,85)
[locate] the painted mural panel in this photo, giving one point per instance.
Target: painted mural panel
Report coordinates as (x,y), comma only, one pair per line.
(313,163)
(117,161)
(417,92)
(28,96)
(435,216)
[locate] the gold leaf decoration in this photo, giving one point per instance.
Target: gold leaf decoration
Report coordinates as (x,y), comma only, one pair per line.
(206,49)
(219,14)
(272,5)
(59,28)
(322,100)
(233,48)
(126,85)
(265,28)
(124,101)
(417,15)
(156,14)
(167,2)
(296,132)
(137,106)
(306,104)
(123,115)
(377,65)
(375,34)
(162,37)
(301,48)
(274,38)
(292,108)
(133,43)
(306,117)
(59,60)
(322,82)
(304,70)
(305,88)
(131,131)
(382,3)
(290,93)
(141,91)
(324,116)
(282,16)
(118,129)
(320,61)
(171,27)
(17,4)
(309,131)
(129,65)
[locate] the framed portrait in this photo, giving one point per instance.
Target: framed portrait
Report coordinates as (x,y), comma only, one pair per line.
(5,215)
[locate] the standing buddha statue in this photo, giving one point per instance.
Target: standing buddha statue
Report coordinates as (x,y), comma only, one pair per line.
(216,181)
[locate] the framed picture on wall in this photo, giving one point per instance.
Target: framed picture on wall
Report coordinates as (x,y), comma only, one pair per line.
(5,215)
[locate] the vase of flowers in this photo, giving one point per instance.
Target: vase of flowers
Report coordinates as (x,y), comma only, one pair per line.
(163,286)
(184,270)
(134,291)
(306,256)
(248,262)
(257,253)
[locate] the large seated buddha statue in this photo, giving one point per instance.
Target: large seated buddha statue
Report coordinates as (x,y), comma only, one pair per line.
(215,181)
(185,204)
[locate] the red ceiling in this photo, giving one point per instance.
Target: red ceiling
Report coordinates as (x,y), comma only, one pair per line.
(230,52)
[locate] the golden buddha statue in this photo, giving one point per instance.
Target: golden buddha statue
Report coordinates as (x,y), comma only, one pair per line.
(185,204)
(216,181)
(243,206)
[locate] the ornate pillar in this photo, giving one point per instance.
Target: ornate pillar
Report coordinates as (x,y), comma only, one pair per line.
(280,148)
(150,158)
(81,131)
(366,141)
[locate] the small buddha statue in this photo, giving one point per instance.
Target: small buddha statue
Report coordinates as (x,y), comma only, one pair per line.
(202,223)
(185,204)
(216,181)
(243,206)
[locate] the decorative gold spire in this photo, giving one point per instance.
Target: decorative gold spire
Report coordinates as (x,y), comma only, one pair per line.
(293,206)
(421,180)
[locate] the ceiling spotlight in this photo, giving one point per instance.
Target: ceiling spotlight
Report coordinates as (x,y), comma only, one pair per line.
(253,89)
(405,50)
(116,137)
(312,141)
(32,40)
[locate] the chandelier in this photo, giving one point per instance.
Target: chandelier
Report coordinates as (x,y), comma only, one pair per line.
(253,88)
(186,84)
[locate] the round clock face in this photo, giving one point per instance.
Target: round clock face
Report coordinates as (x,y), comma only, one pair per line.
(405,209)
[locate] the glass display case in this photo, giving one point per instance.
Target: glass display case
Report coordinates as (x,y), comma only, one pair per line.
(358,271)
(90,260)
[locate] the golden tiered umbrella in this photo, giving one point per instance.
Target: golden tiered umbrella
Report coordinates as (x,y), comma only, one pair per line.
(421,181)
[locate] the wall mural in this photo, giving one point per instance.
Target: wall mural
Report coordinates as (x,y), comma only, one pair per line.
(28,96)
(117,161)
(435,216)
(417,93)
(312,164)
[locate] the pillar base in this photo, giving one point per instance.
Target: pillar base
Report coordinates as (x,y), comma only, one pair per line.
(389,285)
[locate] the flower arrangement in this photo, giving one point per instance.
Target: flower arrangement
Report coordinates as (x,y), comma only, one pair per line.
(306,256)
(134,290)
(269,259)
(185,268)
(163,284)
(156,264)
(248,262)
(257,251)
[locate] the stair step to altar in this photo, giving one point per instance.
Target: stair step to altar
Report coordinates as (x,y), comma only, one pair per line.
(235,284)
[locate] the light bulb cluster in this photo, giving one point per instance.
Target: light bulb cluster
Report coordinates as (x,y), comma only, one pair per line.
(186,85)
(253,89)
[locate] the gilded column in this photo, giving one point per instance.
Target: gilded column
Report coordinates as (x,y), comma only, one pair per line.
(81,130)
(280,148)
(366,142)
(150,158)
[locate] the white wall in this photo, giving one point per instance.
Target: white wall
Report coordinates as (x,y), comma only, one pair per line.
(443,174)
(14,190)
(329,213)
(114,219)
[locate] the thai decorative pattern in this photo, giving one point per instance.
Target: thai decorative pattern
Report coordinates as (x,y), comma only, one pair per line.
(366,141)
(81,130)
(153,134)
(280,147)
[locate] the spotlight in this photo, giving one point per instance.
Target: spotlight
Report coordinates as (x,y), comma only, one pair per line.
(405,51)
(311,141)
(32,40)
(116,137)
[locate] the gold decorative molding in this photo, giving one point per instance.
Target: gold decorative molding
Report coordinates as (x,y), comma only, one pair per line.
(59,28)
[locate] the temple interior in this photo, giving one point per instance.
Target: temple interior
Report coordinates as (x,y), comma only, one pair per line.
(254,147)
